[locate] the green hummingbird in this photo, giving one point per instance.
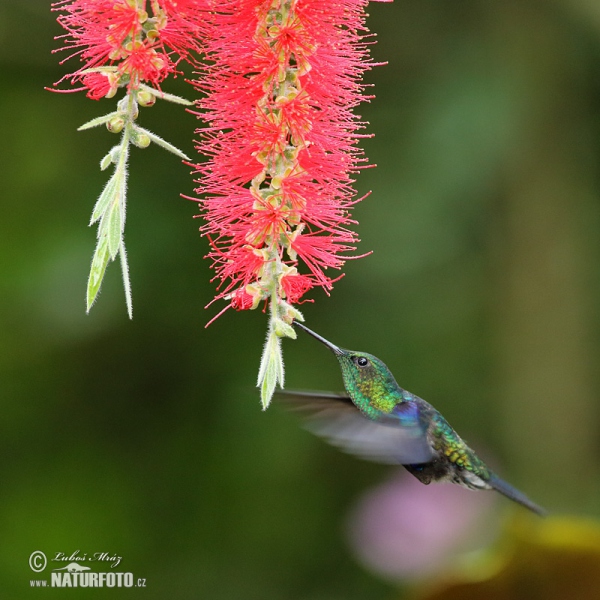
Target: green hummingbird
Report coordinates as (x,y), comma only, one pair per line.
(378,420)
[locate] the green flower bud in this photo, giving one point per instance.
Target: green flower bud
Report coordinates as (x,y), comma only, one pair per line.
(141,140)
(115,125)
(145,98)
(282,329)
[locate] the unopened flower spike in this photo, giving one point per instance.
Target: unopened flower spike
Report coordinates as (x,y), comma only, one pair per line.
(131,45)
(280,82)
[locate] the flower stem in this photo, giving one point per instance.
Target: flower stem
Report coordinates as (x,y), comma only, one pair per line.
(110,208)
(110,211)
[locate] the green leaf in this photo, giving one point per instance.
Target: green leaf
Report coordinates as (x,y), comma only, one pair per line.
(271,368)
(114,230)
(282,329)
(164,96)
(106,197)
(163,143)
(126,282)
(106,162)
(97,270)
(110,211)
(98,121)
(267,390)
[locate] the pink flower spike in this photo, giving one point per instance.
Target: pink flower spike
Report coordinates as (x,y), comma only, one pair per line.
(141,46)
(280,82)
(99,85)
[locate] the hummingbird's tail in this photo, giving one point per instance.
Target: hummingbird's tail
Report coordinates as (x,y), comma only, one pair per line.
(514,494)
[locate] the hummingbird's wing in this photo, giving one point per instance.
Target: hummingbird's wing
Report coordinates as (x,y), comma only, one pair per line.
(395,438)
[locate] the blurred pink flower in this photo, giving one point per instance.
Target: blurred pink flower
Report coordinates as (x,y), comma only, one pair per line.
(404,529)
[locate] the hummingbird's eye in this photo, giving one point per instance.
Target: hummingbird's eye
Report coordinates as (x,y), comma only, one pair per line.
(361,361)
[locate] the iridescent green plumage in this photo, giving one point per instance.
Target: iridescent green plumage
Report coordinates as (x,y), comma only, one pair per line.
(395,426)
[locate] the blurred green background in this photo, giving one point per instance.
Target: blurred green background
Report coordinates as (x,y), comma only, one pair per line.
(146,438)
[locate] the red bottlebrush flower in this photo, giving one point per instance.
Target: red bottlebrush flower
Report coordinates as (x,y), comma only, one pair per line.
(280,82)
(294,286)
(241,300)
(121,38)
(99,85)
(245,298)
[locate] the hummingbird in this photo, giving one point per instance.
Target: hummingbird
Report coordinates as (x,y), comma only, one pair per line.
(380,421)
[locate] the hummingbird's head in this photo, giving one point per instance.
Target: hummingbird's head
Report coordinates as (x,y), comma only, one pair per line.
(367,379)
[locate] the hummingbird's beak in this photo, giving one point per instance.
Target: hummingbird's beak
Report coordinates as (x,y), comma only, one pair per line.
(337,351)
